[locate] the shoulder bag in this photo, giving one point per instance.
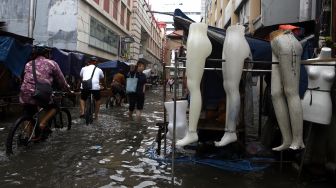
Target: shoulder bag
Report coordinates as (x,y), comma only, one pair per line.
(87,84)
(131,84)
(43,91)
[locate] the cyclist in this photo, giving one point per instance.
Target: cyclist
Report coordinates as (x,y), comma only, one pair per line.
(47,71)
(85,74)
(118,86)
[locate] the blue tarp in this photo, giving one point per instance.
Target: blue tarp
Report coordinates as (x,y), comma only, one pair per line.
(77,62)
(108,65)
(70,63)
(113,65)
(13,54)
(62,59)
(234,165)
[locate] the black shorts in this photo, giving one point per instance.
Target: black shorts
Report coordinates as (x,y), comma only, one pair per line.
(136,99)
(85,94)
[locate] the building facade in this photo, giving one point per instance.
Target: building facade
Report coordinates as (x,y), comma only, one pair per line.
(147,35)
(256,14)
(101,28)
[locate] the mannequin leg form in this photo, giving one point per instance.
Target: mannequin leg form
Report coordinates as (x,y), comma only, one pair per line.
(232,70)
(235,51)
(194,111)
(199,48)
(280,108)
(291,78)
(232,109)
(287,74)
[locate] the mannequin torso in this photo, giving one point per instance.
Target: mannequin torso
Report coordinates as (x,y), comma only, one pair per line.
(317,104)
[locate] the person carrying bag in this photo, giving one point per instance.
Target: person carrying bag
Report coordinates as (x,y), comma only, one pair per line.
(43,91)
(87,84)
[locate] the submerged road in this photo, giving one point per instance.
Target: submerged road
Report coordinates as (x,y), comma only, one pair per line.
(113,153)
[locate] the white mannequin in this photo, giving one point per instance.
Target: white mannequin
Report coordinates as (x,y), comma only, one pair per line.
(199,48)
(316,104)
(181,118)
(235,51)
(285,88)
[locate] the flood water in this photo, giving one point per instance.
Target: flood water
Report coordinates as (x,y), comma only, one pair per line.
(113,153)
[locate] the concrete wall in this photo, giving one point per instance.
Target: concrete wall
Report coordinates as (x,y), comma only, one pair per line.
(15,13)
(55,23)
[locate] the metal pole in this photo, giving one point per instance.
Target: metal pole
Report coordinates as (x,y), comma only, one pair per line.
(164,100)
(333,12)
(174,122)
(261,85)
(31,19)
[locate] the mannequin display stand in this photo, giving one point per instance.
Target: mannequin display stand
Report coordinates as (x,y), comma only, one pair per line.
(317,104)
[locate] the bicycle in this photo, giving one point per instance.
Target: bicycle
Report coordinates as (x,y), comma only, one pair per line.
(25,127)
(117,97)
(89,108)
(114,100)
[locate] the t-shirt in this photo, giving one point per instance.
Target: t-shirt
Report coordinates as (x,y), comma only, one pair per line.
(170,81)
(86,73)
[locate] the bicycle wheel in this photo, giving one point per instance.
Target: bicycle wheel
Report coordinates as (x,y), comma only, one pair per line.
(88,111)
(20,134)
(63,119)
(109,102)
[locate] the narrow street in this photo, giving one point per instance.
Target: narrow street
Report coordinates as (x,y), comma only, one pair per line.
(113,153)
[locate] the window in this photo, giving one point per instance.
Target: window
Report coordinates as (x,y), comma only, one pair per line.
(129,3)
(102,37)
(97,1)
(107,5)
(122,13)
(115,9)
(128,20)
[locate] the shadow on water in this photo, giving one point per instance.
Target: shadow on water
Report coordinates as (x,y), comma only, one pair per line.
(112,153)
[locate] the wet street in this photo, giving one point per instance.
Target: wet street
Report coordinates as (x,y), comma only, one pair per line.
(113,153)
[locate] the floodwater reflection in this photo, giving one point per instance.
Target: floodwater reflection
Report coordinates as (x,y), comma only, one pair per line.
(112,153)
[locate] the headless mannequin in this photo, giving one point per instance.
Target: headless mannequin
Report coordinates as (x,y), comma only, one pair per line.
(199,48)
(285,88)
(181,118)
(316,104)
(235,51)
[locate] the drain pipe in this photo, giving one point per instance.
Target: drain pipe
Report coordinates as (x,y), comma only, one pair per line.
(31,18)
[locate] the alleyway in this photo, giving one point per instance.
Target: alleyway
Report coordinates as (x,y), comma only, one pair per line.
(112,153)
